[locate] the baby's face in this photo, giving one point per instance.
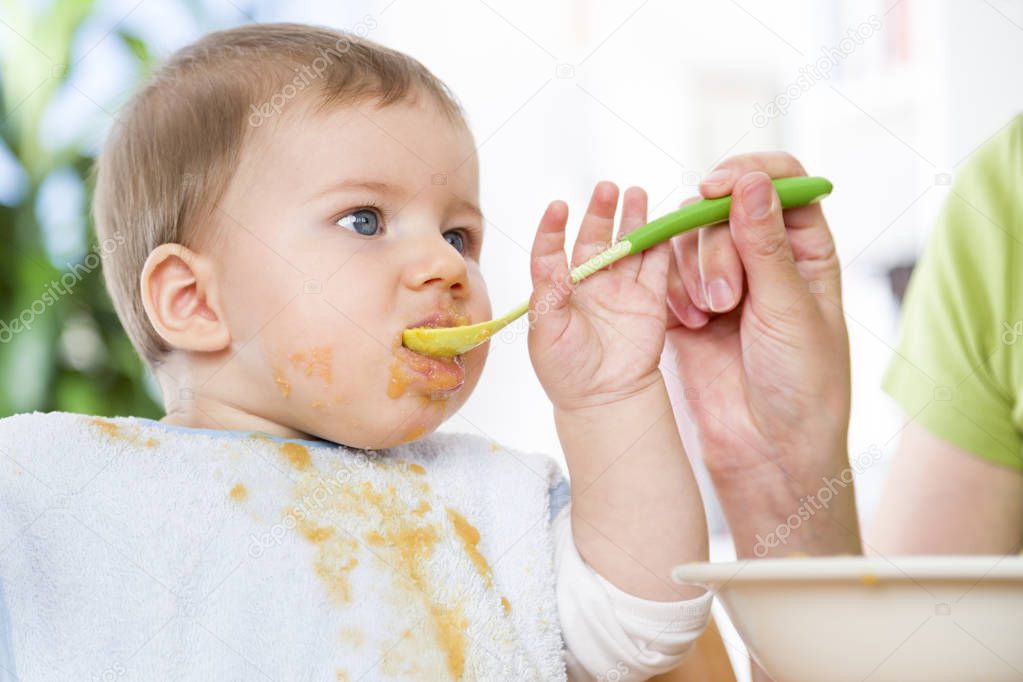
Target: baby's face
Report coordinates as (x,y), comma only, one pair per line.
(341,229)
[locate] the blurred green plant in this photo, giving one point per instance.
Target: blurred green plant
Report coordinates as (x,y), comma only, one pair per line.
(61,345)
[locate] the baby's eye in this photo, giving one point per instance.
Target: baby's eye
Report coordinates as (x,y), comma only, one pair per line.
(364,221)
(457,239)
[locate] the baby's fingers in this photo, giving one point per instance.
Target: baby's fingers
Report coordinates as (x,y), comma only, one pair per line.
(634,204)
(598,224)
(548,265)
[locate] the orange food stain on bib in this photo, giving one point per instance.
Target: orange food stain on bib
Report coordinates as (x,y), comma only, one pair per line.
(402,538)
(114,431)
(470,539)
(239,493)
(297,454)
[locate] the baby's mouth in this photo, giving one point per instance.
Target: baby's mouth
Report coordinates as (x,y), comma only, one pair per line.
(444,318)
(440,377)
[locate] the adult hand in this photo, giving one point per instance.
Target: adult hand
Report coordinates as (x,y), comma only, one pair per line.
(758,339)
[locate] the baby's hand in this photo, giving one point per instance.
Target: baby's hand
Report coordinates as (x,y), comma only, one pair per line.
(600,340)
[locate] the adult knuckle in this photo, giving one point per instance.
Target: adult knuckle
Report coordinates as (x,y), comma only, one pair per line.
(769,243)
(793,162)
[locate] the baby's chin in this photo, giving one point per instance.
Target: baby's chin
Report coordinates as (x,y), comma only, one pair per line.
(409,419)
(414,398)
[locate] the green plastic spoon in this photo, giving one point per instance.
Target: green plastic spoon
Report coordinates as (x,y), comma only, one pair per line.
(451,341)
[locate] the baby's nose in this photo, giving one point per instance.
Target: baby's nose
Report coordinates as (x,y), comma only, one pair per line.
(435,262)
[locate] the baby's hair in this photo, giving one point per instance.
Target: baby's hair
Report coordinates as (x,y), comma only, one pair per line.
(176,144)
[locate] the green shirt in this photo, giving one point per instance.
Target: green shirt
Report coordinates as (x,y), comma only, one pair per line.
(958,365)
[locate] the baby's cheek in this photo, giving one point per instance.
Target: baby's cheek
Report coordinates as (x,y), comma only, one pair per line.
(308,373)
(258,292)
(479,303)
(314,352)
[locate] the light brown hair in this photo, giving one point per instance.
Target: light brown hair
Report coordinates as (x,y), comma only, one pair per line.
(174,147)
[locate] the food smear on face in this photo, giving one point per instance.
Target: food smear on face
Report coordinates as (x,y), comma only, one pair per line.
(412,434)
(317,362)
(438,377)
(283,386)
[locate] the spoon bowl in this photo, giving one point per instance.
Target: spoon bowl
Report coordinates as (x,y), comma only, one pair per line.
(446,342)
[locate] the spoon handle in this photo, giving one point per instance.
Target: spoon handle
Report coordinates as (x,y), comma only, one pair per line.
(792,192)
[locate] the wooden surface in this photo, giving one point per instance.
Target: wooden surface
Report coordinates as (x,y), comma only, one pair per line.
(707,662)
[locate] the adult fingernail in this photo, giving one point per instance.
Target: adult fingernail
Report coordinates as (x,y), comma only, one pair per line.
(719,295)
(694,316)
(718,176)
(756,200)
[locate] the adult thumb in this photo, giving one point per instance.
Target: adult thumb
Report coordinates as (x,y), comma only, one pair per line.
(758,230)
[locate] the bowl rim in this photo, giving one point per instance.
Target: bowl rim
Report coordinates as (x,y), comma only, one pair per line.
(855,568)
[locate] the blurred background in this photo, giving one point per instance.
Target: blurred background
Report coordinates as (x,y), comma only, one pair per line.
(887,98)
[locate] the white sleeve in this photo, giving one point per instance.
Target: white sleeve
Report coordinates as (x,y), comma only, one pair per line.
(610,634)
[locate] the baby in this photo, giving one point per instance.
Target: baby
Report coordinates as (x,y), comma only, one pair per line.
(287,200)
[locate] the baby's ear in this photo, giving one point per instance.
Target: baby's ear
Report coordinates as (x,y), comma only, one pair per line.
(181,299)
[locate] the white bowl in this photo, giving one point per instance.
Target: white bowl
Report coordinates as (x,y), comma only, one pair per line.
(868,619)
